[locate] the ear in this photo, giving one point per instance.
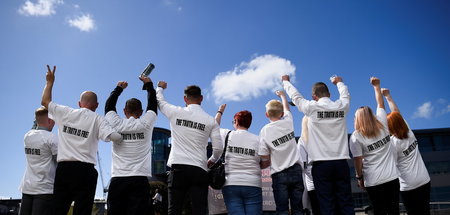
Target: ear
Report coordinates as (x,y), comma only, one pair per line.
(201,99)
(79,104)
(267,115)
(185,99)
(315,98)
(282,114)
(96,105)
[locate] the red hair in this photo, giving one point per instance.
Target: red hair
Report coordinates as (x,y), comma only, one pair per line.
(243,118)
(397,125)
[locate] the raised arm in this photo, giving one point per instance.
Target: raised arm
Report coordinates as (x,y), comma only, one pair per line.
(164,106)
(47,93)
(284,100)
(387,94)
(111,102)
(344,95)
(292,92)
(219,113)
(376,87)
(152,103)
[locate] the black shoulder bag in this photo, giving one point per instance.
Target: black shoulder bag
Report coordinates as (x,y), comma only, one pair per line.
(216,174)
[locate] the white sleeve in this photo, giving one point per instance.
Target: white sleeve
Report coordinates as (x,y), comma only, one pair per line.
(105,129)
(149,119)
(167,109)
(216,142)
(344,95)
(58,111)
(114,119)
(303,155)
(263,148)
(223,134)
(382,117)
(355,146)
(297,98)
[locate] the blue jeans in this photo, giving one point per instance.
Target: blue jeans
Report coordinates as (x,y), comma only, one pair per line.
(242,199)
(288,186)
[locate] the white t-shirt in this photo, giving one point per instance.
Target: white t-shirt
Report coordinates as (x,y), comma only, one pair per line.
(327,130)
(40,147)
(379,158)
(132,157)
(307,169)
(277,139)
(79,131)
(413,172)
(241,158)
(191,128)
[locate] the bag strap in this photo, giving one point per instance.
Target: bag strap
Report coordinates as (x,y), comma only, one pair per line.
(225,148)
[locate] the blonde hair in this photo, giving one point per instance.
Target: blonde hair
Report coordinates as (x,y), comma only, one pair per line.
(304,135)
(274,108)
(366,123)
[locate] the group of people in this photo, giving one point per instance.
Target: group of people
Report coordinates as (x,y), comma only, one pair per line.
(387,161)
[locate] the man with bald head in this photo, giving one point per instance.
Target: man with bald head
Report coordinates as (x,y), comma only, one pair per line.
(79,131)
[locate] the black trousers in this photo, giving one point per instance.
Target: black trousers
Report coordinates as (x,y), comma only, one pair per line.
(332,185)
(385,197)
(417,201)
(37,204)
(129,195)
(314,202)
(188,180)
(75,181)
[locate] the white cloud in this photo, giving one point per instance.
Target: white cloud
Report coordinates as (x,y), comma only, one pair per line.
(41,8)
(251,79)
(424,111)
(83,22)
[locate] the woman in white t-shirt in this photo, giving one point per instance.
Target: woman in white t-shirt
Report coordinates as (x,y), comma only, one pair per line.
(374,156)
(310,201)
(414,178)
(242,190)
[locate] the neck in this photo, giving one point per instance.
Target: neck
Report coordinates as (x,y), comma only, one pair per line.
(241,128)
(39,127)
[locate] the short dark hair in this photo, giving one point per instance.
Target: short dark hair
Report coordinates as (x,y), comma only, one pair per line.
(193,92)
(320,90)
(243,118)
(40,114)
(133,105)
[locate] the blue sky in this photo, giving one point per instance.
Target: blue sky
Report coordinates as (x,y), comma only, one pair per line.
(234,50)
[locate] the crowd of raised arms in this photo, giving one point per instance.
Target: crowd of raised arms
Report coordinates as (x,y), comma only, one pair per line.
(61,168)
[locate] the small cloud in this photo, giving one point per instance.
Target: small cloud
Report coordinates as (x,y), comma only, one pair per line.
(424,111)
(84,22)
(76,6)
(41,8)
(180,9)
(251,79)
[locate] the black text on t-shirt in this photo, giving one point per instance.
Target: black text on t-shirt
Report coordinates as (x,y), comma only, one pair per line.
(330,114)
(379,143)
(283,139)
(75,131)
(190,124)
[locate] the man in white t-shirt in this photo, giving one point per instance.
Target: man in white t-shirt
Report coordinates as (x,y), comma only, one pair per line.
(129,190)
(79,131)
(41,147)
(327,144)
(277,143)
(191,128)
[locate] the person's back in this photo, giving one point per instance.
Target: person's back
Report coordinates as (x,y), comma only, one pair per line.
(79,131)
(129,190)
(40,151)
(242,159)
(327,146)
(277,143)
(191,127)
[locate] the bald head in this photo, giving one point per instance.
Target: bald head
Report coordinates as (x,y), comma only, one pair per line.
(88,99)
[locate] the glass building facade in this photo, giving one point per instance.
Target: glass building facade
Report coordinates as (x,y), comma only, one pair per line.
(160,150)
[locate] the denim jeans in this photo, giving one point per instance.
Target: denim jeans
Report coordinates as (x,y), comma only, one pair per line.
(288,187)
(243,199)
